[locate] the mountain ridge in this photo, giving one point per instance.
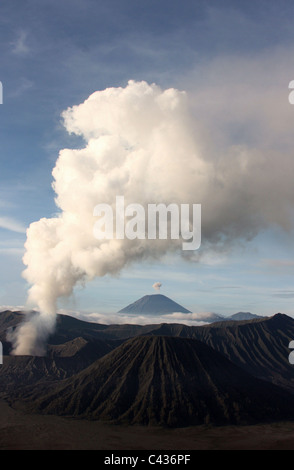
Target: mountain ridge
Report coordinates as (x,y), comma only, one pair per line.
(144,373)
(167,381)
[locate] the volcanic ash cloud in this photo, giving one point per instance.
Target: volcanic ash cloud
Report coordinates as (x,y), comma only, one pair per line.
(141,142)
(157,286)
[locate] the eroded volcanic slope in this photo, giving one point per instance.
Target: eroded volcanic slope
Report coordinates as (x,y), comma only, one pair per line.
(17,373)
(168,381)
(261,347)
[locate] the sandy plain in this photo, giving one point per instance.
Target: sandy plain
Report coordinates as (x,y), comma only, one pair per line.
(20,431)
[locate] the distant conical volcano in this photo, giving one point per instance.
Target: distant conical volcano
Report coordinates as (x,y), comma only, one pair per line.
(154,304)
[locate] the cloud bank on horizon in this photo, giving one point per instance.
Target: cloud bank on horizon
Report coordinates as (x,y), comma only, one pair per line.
(142,142)
(197,318)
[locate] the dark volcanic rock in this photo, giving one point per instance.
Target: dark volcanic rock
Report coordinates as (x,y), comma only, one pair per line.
(167,381)
(259,346)
(20,373)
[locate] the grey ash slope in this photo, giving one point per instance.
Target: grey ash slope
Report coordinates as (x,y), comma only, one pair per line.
(154,304)
(166,381)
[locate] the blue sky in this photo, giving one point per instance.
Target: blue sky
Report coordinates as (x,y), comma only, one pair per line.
(234,59)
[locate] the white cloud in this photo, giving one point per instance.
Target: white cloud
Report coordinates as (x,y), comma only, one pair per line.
(20,88)
(19,45)
(8,223)
(12,251)
(13,308)
(277,263)
(119,319)
(157,286)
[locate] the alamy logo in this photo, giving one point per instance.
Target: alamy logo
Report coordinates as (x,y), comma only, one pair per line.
(291,95)
(291,355)
(160,222)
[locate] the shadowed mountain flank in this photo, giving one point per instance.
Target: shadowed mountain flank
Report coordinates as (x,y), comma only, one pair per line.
(167,381)
(259,346)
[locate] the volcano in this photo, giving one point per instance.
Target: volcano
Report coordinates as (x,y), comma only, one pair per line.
(166,381)
(155,304)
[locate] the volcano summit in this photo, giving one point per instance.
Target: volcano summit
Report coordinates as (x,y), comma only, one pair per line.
(154,304)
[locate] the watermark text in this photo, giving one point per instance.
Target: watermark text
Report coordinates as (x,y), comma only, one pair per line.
(291,355)
(291,95)
(159,221)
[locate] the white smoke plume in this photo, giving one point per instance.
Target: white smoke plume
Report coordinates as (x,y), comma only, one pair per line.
(140,142)
(157,286)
